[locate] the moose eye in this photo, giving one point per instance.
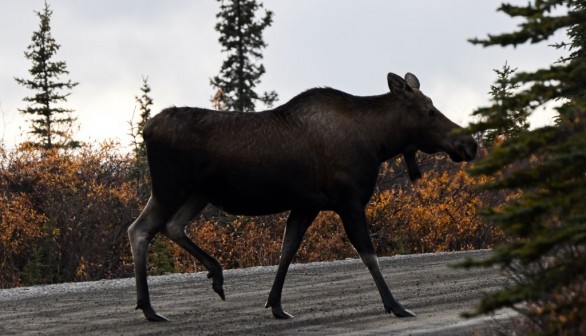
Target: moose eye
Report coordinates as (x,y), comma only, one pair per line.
(431,114)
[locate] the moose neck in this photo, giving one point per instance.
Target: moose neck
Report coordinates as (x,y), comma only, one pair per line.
(387,124)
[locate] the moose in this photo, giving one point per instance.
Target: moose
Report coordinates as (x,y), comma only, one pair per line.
(321,151)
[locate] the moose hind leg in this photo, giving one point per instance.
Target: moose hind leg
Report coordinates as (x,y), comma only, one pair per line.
(175,230)
(297,224)
(356,227)
(140,234)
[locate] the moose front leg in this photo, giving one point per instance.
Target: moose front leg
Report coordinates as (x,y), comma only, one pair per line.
(356,226)
(297,224)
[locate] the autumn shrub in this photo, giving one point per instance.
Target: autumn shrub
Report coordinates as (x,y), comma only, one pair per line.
(64,216)
(245,242)
(73,207)
(438,213)
(565,312)
(20,237)
(256,241)
(326,240)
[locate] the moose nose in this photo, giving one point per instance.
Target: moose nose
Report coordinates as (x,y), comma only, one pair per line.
(468,148)
(464,149)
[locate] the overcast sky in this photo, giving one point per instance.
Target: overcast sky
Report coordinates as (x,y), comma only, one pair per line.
(109,45)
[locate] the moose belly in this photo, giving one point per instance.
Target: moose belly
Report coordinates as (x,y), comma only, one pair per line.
(258,194)
(244,205)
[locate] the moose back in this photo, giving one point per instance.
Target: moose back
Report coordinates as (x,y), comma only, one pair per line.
(320,151)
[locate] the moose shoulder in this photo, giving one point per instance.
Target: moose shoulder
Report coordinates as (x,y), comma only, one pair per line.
(319,151)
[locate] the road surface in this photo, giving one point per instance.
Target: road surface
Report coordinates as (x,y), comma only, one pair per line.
(331,298)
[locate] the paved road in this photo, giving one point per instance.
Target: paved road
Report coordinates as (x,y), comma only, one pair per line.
(334,298)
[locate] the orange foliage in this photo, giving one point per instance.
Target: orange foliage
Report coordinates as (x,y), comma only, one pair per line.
(64,216)
(19,231)
(245,242)
(74,208)
(560,313)
(438,213)
(256,241)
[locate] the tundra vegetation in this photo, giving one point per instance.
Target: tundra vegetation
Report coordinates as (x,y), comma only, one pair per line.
(64,215)
(65,206)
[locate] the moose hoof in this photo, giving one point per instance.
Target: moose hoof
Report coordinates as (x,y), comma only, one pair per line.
(403,313)
(152,316)
(217,283)
(279,313)
(220,291)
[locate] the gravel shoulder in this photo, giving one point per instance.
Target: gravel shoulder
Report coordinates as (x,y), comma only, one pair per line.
(328,298)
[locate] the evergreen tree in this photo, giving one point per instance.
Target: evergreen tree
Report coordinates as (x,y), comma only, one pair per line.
(501,120)
(241,39)
(140,173)
(545,167)
(51,124)
(144,102)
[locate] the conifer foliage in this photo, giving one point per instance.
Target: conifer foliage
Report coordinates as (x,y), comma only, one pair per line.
(241,37)
(141,173)
(50,124)
(144,102)
(502,120)
(546,167)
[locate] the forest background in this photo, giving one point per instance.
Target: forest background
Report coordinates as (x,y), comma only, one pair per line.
(65,204)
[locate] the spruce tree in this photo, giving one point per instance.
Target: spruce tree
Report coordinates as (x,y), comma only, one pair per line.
(545,169)
(50,124)
(140,173)
(242,40)
(144,102)
(501,120)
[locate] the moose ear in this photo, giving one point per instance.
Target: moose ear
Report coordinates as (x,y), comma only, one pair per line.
(398,85)
(412,81)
